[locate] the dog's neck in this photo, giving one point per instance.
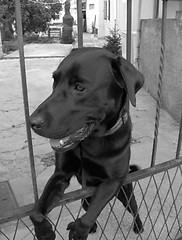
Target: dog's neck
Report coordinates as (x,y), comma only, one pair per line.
(114,120)
(120,118)
(123,117)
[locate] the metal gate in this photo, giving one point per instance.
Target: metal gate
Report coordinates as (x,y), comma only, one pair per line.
(158,189)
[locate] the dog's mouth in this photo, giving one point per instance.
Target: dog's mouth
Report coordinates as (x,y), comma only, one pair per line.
(69,142)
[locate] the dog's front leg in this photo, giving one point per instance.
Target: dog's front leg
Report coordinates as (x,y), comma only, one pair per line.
(53,192)
(105,192)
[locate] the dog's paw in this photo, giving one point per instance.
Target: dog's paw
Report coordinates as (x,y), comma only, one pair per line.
(138,227)
(47,236)
(93,229)
(78,230)
(42,227)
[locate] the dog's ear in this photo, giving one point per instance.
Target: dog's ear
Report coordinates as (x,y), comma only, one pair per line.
(133,79)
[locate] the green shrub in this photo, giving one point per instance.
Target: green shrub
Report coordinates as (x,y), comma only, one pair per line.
(35,38)
(67,35)
(6,35)
(12,45)
(9,46)
(113,41)
(29,38)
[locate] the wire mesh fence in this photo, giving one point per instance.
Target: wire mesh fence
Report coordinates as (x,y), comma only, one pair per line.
(158,192)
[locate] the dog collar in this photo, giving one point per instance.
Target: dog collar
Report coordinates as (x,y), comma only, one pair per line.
(121,121)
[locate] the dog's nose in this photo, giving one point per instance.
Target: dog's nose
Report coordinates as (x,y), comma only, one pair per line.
(36,122)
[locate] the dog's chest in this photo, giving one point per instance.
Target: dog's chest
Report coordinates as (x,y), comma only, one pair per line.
(98,164)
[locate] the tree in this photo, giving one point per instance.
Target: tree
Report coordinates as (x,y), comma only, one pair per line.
(114,41)
(6,18)
(35,14)
(67,25)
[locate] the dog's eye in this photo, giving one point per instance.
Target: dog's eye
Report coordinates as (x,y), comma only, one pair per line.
(78,87)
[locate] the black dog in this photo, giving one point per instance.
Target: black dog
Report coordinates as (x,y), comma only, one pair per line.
(87,120)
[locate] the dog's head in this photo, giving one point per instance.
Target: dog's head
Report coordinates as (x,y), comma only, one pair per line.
(90,87)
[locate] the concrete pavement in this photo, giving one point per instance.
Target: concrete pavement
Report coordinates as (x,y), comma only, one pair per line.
(42,51)
(41,61)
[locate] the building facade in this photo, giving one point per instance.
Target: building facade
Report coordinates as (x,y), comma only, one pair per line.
(103,14)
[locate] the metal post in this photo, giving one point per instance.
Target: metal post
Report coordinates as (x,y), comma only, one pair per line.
(1,45)
(129,20)
(159,93)
(25,95)
(179,140)
(156,9)
(80,23)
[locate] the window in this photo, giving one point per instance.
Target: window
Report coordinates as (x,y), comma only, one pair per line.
(105,10)
(91,6)
(108,9)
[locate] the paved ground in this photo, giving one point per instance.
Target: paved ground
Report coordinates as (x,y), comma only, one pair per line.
(14,164)
(42,50)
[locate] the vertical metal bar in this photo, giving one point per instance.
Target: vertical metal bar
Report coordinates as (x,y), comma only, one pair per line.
(179,140)
(159,93)
(25,95)
(80,23)
(128,39)
(1,45)
(156,9)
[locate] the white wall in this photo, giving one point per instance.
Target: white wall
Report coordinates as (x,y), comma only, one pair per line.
(91,13)
(121,15)
(172,8)
(141,9)
(105,24)
(109,24)
(100,19)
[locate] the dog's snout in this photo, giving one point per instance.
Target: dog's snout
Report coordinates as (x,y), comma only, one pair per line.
(36,122)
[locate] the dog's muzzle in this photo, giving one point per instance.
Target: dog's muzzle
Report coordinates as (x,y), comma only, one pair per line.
(69,142)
